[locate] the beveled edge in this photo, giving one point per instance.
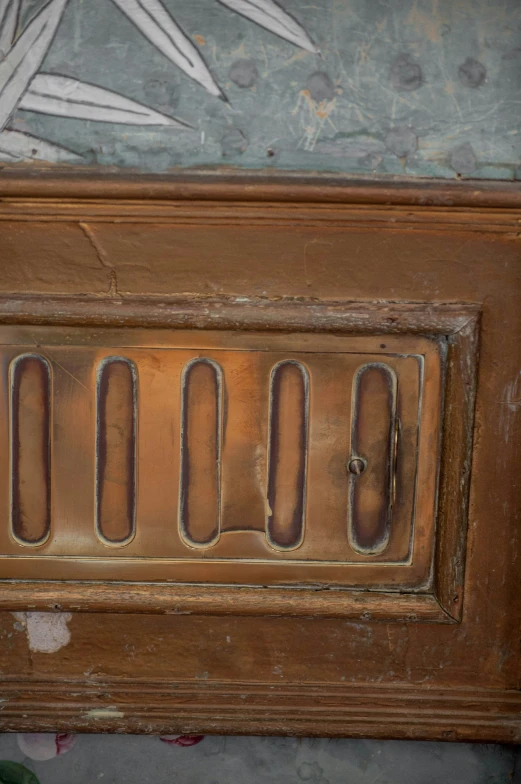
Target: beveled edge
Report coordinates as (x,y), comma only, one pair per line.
(161,706)
(225,184)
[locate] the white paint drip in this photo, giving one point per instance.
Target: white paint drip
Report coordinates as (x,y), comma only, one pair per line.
(46,632)
(104,713)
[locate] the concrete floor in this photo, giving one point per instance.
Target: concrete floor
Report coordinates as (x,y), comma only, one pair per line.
(117,759)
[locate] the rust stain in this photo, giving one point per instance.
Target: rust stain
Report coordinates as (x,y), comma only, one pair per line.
(426,24)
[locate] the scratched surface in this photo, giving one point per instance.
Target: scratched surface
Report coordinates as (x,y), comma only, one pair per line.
(416,87)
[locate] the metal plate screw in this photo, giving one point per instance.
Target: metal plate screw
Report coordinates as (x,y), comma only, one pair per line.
(356,466)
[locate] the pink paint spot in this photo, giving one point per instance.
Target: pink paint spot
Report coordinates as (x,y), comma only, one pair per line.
(182,740)
(42,746)
(64,742)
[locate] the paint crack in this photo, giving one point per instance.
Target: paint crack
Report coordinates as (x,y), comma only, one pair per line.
(102,258)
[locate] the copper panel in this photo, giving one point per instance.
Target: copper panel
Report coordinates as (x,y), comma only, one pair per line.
(200,479)
(220,457)
(287,455)
(30,449)
(115,451)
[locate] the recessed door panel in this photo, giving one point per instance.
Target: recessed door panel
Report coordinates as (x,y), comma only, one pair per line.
(215,457)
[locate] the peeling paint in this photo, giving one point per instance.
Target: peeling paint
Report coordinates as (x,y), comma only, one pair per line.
(46,632)
(104,713)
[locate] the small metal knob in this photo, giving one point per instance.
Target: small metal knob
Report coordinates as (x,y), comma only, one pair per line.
(356,466)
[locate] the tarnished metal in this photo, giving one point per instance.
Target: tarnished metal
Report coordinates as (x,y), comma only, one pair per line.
(218,457)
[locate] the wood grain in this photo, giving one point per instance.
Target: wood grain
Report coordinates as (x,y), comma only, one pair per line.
(277,187)
(310,710)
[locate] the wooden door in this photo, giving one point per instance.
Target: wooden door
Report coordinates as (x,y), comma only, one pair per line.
(259,451)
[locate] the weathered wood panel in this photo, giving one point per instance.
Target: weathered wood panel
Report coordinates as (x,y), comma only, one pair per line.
(351,254)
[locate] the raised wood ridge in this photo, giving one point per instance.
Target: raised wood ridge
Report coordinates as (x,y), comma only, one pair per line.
(312,709)
(207,185)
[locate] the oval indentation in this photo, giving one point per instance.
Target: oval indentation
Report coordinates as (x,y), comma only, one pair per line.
(200,483)
(30,449)
(116,451)
(372,443)
(287,455)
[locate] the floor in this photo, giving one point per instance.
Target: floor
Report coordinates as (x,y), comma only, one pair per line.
(252,760)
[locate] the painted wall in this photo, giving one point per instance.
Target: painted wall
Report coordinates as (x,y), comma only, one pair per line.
(428,88)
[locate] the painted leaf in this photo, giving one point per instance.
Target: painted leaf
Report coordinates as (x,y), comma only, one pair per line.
(154,21)
(14,773)
(9,15)
(182,740)
(272,17)
(16,146)
(25,57)
(43,746)
(65,97)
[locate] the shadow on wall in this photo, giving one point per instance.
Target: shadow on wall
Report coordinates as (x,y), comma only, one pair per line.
(420,87)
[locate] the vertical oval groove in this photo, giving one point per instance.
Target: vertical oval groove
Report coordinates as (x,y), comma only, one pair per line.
(200,480)
(30,427)
(287,455)
(373,440)
(116,451)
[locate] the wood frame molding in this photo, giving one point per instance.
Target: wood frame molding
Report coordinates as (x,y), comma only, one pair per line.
(223,186)
(311,709)
(455,324)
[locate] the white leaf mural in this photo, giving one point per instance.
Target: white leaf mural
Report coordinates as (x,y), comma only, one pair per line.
(271,16)
(22,86)
(154,21)
(16,146)
(25,57)
(9,13)
(65,97)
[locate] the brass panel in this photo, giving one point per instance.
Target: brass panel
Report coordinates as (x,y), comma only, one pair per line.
(372,463)
(223,457)
(287,455)
(30,449)
(200,480)
(115,451)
